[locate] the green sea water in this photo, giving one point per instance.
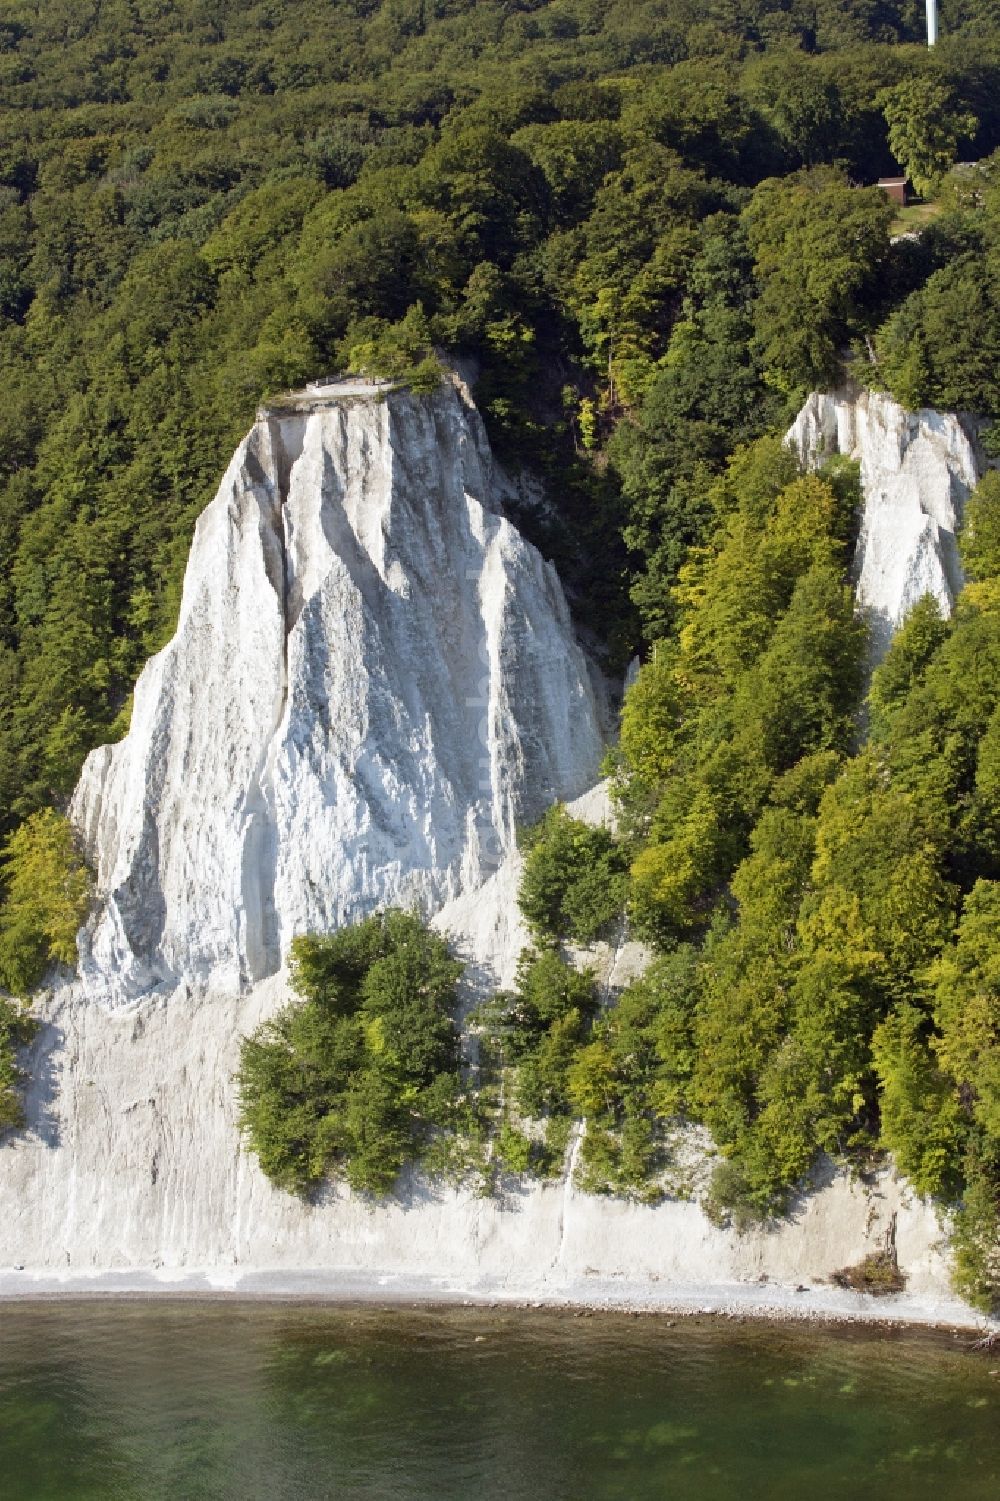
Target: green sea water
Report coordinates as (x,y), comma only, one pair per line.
(137,1401)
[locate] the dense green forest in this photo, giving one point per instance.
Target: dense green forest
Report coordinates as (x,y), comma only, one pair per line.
(826,911)
(643,220)
(651,227)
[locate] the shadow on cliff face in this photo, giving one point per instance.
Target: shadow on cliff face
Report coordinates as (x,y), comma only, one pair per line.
(415,1189)
(821,1175)
(42,1088)
(479,977)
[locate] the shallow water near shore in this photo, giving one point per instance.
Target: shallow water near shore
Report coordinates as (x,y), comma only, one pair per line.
(205,1401)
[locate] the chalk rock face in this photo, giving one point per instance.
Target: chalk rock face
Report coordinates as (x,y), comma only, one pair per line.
(374,679)
(917,469)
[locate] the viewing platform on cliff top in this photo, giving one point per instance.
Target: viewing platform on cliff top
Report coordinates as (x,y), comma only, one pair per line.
(326,392)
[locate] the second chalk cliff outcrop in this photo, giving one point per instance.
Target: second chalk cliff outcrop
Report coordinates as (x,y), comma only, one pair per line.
(917,469)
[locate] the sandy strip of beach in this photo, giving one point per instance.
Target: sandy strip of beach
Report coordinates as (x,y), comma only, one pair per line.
(757,1300)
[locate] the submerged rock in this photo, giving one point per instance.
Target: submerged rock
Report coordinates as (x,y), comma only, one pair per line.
(374,679)
(917,469)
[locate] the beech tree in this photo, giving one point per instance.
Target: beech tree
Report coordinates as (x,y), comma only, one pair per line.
(47,890)
(925,127)
(354,1078)
(818,243)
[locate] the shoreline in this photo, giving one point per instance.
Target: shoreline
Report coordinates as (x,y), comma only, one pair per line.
(154,1200)
(765,1302)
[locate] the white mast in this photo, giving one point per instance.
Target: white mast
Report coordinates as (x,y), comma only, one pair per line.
(931,22)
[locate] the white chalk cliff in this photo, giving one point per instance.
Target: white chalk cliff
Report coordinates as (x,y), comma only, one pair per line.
(374,679)
(917,469)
